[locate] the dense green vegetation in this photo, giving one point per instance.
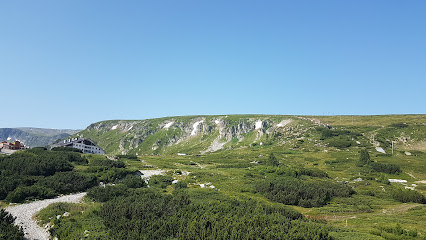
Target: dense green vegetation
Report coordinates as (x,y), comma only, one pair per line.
(150,215)
(364,157)
(337,138)
(66,149)
(39,173)
(385,167)
(294,191)
(8,231)
(302,181)
(408,195)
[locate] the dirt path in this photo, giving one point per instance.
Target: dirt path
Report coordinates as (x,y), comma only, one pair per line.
(24,215)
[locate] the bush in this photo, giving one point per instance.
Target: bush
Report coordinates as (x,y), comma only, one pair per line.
(385,167)
(272,160)
(293,191)
(133,181)
(395,232)
(77,158)
(399,125)
(181,185)
(383,179)
(8,231)
(160,181)
(408,195)
(364,157)
(36,163)
(330,133)
(106,193)
(68,182)
(108,175)
(128,156)
(148,214)
(339,142)
(107,163)
(29,193)
(297,172)
(66,149)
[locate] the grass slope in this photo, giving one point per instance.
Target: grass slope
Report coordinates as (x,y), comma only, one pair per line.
(304,144)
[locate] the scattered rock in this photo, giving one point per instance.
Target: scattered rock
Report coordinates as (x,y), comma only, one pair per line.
(397,181)
(381,150)
(357,180)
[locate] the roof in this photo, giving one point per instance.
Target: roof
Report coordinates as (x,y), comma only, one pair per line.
(69,142)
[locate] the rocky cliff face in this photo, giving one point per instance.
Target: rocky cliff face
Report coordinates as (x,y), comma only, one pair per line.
(197,134)
(34,137)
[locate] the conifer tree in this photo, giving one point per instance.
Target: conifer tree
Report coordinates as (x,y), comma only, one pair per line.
(364,157)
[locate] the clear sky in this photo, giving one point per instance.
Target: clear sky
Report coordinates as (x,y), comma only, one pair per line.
(67,64)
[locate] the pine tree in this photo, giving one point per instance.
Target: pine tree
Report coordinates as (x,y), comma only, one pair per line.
(364,157)
(272,160)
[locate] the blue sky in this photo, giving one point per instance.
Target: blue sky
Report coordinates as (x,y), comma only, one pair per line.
(67,64)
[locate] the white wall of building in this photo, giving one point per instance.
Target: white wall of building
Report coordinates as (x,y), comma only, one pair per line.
(88,148)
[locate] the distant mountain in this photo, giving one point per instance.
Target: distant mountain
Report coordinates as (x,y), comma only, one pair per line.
(34,137)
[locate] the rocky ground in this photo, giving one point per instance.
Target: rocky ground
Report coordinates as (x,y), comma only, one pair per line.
(24,215)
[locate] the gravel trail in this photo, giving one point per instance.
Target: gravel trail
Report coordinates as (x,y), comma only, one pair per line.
(24,215)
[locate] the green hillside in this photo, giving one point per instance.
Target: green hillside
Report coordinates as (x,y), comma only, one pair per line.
(182,134)
(244,171)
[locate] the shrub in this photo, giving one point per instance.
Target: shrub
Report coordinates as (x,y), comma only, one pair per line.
(385,167)
(330,133)
(107,163)
(272,160)
(339,142)
(297,172)
(37,163)
(8,231)
(106,193)
(160,181)
(383,179)
(151,215)
(66,149)
(408,195)
(181,185)
(108,175)
(399,125)
(293,191)
(68,182)
(364,157)
(128,156)
(29,193)
(133,181)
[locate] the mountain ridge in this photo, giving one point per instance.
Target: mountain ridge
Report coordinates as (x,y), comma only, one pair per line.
(200,134)
(34,137)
